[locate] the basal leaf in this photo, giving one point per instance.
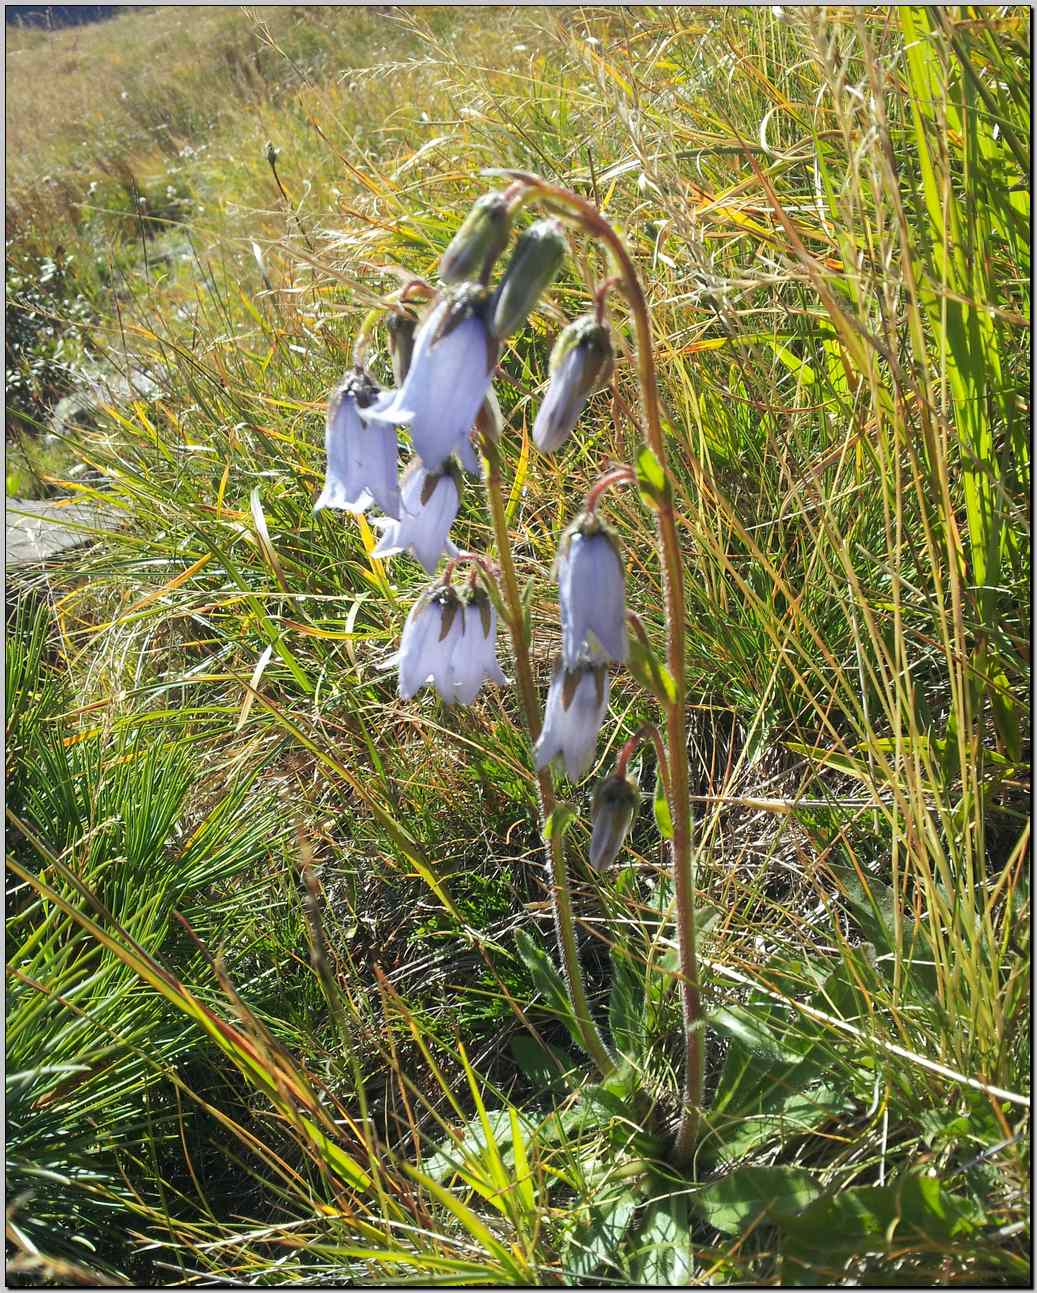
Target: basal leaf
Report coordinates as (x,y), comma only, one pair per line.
(734,1202)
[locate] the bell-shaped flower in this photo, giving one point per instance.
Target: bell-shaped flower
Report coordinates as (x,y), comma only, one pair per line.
(428,504)
(576,705)
(450,370)
(430,636)
(580,362)
(475,655)
(612,814)
(361,451)
(479,241)
(534,264)
(591,594)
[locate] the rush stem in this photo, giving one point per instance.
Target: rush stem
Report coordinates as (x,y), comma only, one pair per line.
(561,900)
(676,730)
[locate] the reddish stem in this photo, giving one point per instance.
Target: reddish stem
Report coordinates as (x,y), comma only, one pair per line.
(617,476)
(601,294)
(646,731)
(625,753)
(476,560)
(417,287)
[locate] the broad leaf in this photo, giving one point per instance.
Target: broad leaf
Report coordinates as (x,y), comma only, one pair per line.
(734,1202)
(595,1243)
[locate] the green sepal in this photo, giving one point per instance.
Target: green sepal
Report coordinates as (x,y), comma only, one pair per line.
(527,611)
(494,593)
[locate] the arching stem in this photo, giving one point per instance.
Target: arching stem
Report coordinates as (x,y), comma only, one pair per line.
(673,588)
(617,476)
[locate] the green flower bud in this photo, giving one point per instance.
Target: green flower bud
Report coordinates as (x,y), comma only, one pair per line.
(401,329)
(533,267)
(612,814)
(479,241)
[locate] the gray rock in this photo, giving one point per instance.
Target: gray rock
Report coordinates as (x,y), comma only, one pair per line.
(40,529)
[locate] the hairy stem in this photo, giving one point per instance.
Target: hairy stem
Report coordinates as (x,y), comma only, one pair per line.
(561,901)
(676,730)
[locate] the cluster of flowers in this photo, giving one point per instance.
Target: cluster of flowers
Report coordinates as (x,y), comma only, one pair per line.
(443,365)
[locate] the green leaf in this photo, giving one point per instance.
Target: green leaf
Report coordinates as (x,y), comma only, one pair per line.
(1006,713)
(562,817)
(595,1244)
(752,1029)
(734,1202)
(651,673)
(772,1084)
(651,480)
(626,1003)
(876,1219)
(665,1255)
(548,982)
(661,808)
(545,1066)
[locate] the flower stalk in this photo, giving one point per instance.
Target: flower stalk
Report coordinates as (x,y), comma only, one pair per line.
(561,900)
(617,476)
(673,589)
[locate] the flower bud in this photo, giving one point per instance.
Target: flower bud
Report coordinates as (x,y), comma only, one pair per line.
(479,241)
(580,362)
(534,264)
(612,814)
(591,594)
(401,343)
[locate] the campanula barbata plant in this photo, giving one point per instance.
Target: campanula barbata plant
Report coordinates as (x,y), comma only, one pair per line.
(444,357)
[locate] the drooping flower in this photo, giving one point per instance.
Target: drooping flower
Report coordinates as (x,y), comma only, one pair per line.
(580,363)
(479,241)
(576,704)
(475,654)
(534,263)
(591,596)
(612,814)
(428,505)
(361,451)
(430,636)
(450,370)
